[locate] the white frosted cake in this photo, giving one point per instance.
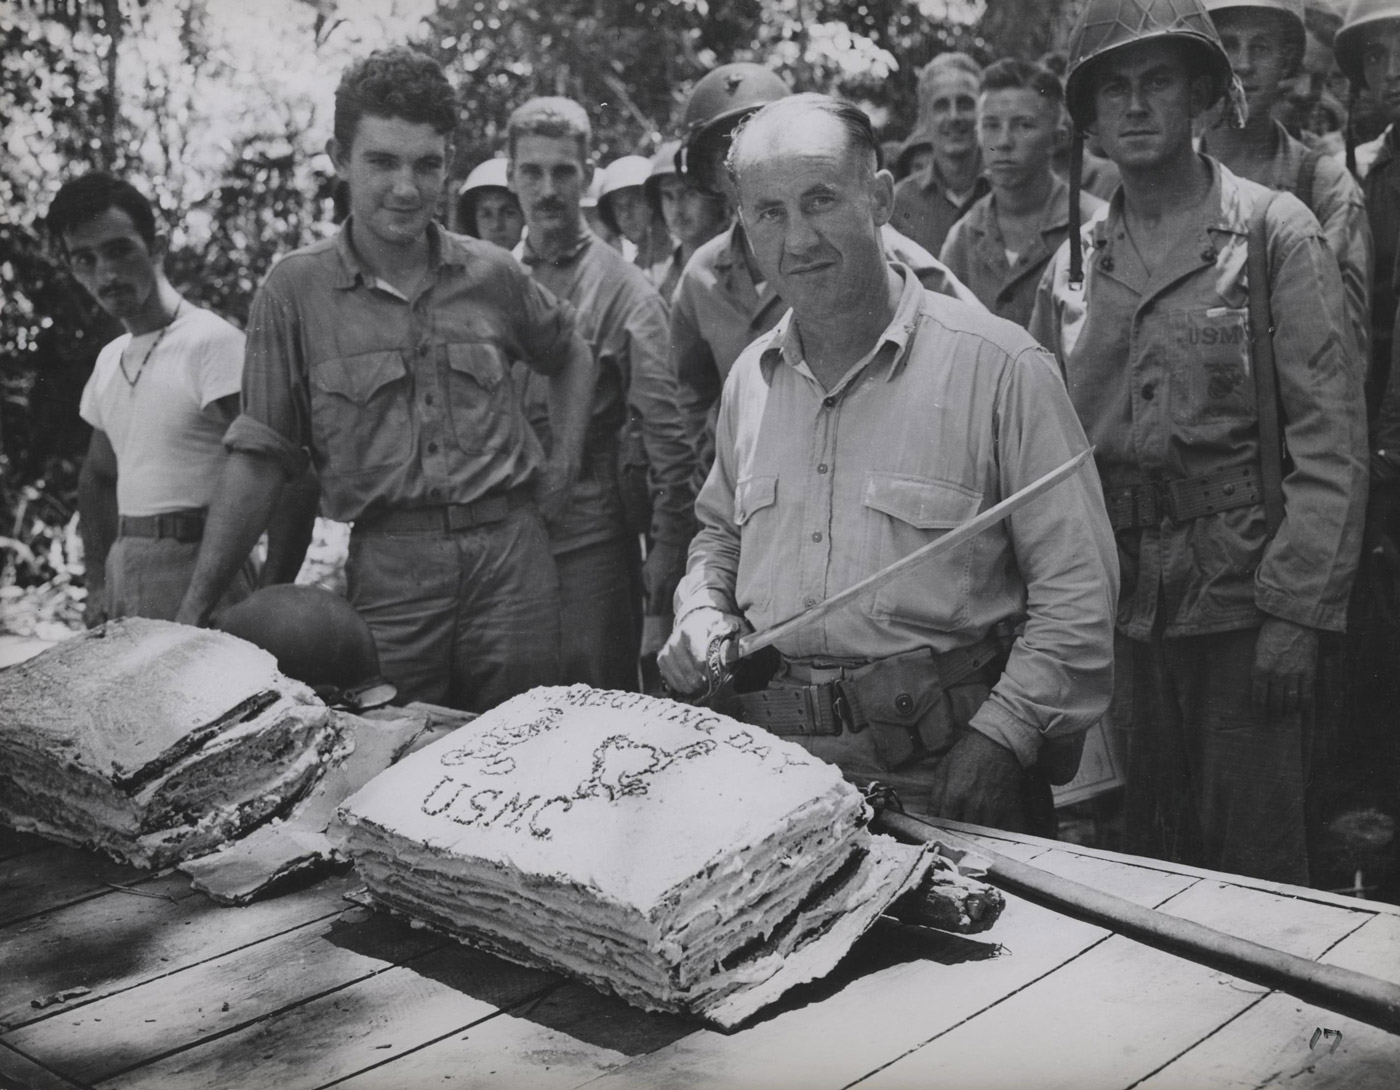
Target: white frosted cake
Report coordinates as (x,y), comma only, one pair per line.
(669,854)
(154,741)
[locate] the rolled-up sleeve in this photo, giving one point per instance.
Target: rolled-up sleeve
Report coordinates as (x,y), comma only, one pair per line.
(655,394)
(275,417)
(712,570)
(1059,677)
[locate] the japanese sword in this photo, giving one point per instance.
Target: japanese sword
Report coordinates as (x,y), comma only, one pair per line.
(727,650)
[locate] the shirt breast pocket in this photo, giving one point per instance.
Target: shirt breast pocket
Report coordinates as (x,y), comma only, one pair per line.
(359,413)
(1212,380)
(904,512)
(479,396)
(756,516)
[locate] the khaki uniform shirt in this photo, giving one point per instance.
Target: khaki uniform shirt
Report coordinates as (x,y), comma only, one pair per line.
(976,253)
(718,310)
(812,490)
(925,210)
(401,402)
(1336,200)
(624,322)
(1159,369)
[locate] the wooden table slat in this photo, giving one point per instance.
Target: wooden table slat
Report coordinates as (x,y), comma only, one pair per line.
(353,1029)
(115,942)
(18,1072)
(54,876)
(1284,1042)
(1094,1007)
(14,843)
(220,995)
(888,997)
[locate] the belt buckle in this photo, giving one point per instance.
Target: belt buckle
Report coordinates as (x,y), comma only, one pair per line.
(841,709)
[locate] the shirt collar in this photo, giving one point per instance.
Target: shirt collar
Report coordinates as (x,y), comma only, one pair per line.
(530,256)
(733,252)
(981,217)
(444,250)
(785,343)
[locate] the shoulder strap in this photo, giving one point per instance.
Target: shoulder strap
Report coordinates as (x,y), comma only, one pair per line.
(1261,326)
(1307,176)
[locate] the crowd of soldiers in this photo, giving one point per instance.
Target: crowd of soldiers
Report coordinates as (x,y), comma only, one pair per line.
(615,418)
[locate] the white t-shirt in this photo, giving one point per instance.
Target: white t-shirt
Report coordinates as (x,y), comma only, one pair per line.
(170,450)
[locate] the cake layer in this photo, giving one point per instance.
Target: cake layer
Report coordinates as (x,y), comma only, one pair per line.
(153,741)
(666,853)
(627,796)
(129,699)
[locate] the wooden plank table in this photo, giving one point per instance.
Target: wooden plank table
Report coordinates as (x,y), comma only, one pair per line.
(141,983)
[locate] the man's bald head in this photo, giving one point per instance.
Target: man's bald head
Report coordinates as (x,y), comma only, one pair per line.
(806,117)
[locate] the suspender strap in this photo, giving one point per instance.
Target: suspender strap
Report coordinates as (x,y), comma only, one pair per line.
(1261,325)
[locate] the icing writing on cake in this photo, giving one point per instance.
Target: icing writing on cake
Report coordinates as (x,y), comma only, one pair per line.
(622,767)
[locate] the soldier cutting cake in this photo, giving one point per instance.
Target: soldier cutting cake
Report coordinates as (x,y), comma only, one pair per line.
(874,418)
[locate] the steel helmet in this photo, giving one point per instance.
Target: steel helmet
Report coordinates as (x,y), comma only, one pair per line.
(1106,25)
(623,173)
(1351,36)
(663,163)
(488,174)
(1294,19)
(717,103)
(317,638)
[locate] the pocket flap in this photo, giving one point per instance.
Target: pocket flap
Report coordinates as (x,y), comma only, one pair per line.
(922,502)
(753,494)
(481,361)
(358,377)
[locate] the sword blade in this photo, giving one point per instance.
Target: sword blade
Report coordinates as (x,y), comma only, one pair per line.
(756,641)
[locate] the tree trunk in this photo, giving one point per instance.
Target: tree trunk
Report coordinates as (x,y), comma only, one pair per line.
(112,23)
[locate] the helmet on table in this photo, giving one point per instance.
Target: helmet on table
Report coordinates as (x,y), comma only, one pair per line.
(317,638)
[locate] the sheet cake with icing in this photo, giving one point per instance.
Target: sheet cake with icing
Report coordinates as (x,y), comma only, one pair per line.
(663,852)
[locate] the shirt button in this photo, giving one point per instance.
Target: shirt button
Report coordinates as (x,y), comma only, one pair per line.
(828,402)
(1148,390)
(822,468)
(423,349)
(427,399)
(809,601)
(817,536)
(432,448)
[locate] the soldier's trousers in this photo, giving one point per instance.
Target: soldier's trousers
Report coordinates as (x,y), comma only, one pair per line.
(1211,783)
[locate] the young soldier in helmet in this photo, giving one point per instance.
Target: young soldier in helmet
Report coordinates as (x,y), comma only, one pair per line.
(692,216)
(1265,40)
(624,320)
(930,201)
(625,211)
(487,209)
(876,415)
(384,354)
(1000,248)
(1154,337)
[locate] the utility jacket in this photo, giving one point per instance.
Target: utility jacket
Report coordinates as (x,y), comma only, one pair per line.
(1160,370)
(975,252)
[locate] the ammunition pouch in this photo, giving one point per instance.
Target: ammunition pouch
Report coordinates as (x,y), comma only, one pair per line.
(898,700)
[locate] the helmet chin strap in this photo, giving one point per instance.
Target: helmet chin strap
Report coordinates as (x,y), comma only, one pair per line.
(1076,174)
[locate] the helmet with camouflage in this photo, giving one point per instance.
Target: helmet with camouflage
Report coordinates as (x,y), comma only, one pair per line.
(1349,46)
(1291,16)
(1105,26)
(717,103)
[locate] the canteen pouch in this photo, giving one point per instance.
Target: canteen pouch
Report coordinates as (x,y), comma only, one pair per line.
(900,702)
